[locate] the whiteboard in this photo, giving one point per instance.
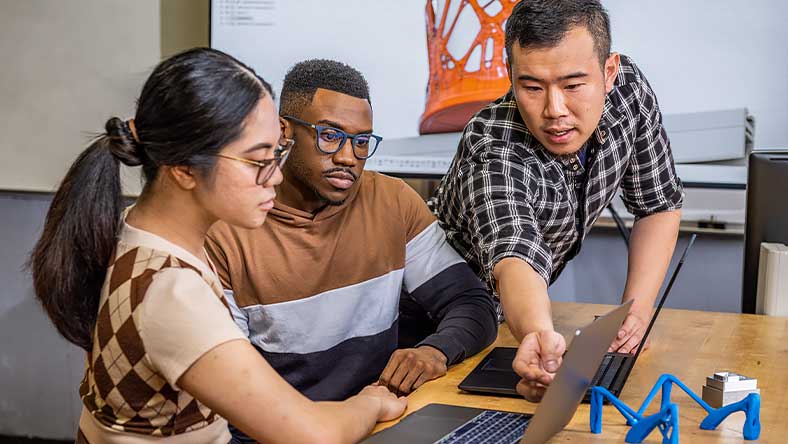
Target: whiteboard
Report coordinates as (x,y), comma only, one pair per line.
(698,56)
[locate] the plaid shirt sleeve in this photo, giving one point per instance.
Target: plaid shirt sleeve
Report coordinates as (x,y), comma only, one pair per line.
(495,185)
(650,185)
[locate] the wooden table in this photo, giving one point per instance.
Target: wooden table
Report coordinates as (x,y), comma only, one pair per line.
(688,344)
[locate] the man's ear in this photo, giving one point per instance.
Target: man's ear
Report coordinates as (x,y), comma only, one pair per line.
(611,71)
(183,176)
(285,128)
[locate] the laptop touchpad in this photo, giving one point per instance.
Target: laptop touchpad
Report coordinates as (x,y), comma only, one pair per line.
(426,425)
(498,365)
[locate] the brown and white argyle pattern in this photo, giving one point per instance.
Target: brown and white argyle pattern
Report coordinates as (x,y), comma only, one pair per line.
(121,389)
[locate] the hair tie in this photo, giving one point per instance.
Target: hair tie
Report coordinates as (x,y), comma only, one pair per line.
(133,129)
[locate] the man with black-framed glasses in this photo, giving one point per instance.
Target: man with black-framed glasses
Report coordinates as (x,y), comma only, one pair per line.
(351,280)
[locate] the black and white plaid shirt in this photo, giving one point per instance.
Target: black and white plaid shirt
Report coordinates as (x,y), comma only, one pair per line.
(505,195)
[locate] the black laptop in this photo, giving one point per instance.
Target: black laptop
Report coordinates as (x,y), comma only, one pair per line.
(450,424)
(494,374)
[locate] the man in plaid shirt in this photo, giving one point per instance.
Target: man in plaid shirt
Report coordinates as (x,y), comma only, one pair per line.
(535,168)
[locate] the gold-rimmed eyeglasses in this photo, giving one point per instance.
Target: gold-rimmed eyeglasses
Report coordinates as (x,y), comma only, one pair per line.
(267,166)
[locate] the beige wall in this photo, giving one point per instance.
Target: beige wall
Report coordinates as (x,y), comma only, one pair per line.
(67,67)
(70,65)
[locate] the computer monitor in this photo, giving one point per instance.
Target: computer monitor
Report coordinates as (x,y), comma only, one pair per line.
(767,214)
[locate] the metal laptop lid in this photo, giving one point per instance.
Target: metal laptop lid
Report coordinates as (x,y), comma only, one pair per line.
(573,378)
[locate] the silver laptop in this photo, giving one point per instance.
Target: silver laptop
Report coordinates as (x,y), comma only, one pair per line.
(447,424)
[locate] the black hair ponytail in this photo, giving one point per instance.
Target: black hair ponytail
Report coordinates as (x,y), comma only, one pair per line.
(69,261)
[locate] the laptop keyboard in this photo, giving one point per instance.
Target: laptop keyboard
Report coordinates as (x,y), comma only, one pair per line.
(611,366)
(489,427)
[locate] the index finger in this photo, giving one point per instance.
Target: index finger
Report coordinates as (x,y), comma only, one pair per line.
(631,344)
(626,331)
(395,383)
(391,367)
(622,337)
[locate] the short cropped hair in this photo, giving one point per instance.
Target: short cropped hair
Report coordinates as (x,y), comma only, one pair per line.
(304,78)
(543,23)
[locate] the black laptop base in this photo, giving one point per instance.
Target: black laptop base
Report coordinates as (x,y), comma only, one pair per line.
(494,374)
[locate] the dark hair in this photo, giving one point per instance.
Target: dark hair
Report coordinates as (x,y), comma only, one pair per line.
(191,106)
(304,78)
(543,23)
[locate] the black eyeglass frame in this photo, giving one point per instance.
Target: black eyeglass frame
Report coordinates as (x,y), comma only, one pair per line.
(345,136)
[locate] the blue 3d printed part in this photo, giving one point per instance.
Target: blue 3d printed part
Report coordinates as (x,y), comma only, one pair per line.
(667,419)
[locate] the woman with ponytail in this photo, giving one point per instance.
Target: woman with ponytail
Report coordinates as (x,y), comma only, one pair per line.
(135,289)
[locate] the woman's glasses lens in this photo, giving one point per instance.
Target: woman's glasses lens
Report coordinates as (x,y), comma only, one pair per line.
(280,156)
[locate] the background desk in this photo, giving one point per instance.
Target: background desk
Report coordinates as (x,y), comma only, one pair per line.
(714,207)
(688,344)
